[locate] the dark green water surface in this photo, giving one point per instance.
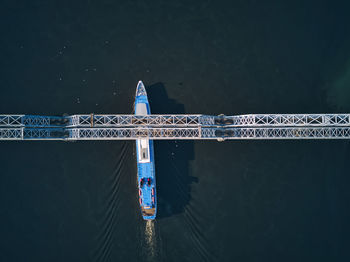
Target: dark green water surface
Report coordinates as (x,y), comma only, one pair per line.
(231,201)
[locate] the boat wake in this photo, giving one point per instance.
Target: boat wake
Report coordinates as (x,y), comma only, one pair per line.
(150,236)
(107,215)
(151,241)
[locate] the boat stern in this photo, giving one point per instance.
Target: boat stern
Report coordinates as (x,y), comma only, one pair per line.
(147,194)
(149,213)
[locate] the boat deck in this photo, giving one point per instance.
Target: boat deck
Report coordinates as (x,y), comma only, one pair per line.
(145,160)
(146,170)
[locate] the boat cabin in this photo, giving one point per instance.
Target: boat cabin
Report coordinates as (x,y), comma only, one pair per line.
(143,150)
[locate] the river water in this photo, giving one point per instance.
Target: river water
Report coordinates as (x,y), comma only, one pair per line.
(230,201)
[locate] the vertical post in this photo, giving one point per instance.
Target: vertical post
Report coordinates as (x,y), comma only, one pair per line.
(92,119)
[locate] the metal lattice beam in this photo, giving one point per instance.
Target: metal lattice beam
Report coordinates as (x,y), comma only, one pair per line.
(11,120)
(289,120)
(11,133)
(132,120)
(133,133)
(174,133)
(176,120)
(32,121)
(120,127)
(284,133)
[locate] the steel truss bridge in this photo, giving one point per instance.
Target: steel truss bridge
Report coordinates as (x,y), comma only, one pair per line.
(171,127)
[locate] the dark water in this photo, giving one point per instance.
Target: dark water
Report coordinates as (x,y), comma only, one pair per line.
(232,201)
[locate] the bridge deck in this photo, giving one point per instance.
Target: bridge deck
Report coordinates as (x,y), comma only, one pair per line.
(170,127)
(92,120)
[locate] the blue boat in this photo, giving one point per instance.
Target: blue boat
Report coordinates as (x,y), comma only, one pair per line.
(146,178)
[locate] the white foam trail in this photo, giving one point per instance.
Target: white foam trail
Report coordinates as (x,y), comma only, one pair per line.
(150,237)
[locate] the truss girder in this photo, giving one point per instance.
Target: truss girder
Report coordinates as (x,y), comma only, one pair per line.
(45,134)
(11,133)
(11,120)
(262,120)
(119,127)
(290,120)
(32,121)
(33,133)
(133,133)
(176,133)
(132,120)
(36,121)
(285,133)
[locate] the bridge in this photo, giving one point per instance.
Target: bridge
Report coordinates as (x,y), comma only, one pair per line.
(172,127)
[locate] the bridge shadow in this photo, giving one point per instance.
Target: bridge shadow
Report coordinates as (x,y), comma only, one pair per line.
(171,159)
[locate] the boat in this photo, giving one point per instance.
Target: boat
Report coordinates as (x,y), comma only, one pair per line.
(146,178)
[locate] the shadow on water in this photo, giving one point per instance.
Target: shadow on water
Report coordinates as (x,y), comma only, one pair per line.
(171,158)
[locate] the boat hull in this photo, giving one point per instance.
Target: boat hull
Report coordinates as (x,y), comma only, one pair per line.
(146,179)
